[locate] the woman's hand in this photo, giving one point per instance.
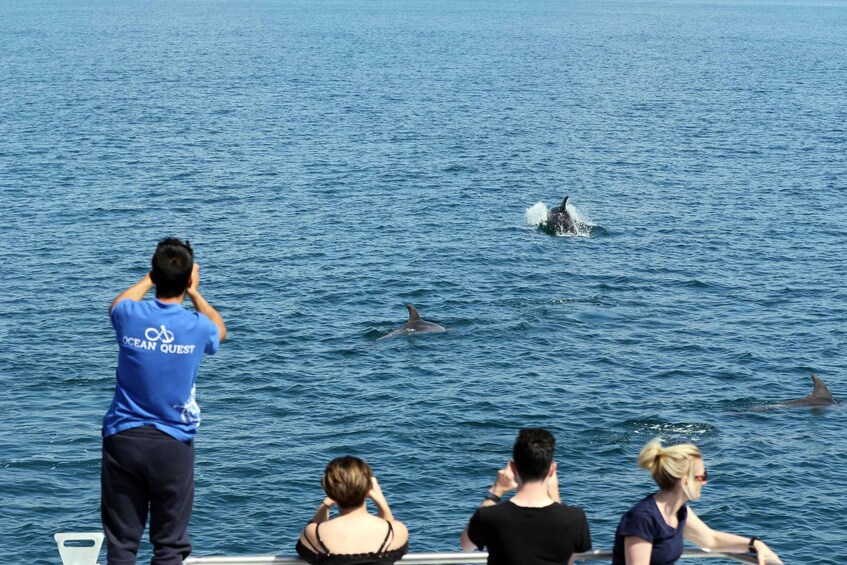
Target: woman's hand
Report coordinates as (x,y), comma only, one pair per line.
(764,553)
(376,495)
(322,513)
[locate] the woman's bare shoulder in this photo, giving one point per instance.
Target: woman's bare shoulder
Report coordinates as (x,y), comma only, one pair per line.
(401,534)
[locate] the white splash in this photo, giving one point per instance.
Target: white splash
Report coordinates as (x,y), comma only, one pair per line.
(536,216)
(582,222)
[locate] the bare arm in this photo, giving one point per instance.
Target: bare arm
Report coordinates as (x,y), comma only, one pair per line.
(382,508)
(465,541)
(504,483)
(309,532)
(401,533)
(136,292)
(637,550)
(201,305)
(322,513)
(553,485)
(697,532)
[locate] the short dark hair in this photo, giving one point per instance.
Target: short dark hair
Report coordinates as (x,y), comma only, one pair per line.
(172,264)
(533,453)
(347,480)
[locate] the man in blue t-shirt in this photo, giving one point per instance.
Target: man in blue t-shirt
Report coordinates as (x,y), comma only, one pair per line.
(148,432)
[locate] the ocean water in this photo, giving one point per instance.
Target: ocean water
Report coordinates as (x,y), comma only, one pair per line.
(332,161)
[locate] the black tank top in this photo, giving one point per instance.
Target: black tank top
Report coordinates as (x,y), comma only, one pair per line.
(379,557)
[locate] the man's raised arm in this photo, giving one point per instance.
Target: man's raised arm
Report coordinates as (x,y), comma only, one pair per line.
(201,305)
(136,292)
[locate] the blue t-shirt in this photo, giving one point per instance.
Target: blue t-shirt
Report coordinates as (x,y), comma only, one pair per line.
(646,522)
(161,346)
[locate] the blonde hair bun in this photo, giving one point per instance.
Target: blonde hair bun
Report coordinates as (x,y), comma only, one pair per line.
(668,464)
(651,454)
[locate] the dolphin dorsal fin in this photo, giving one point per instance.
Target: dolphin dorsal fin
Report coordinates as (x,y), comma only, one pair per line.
(413,314)
(820,390)
(565,203)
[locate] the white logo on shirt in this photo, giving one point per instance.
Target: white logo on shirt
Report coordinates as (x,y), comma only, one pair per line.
(160,338)
(165,335)
(190,410)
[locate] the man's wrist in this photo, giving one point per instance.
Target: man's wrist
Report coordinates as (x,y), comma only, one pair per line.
(492,496)
(497,490)
(146,283)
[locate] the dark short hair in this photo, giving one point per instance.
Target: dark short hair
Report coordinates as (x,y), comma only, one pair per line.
(533,453)
(172,264)
(347,480)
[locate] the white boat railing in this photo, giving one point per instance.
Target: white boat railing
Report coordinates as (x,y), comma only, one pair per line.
(476,557)
(84,549)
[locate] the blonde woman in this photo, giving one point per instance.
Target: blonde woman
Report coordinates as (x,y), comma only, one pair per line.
(651,532)
(354,536)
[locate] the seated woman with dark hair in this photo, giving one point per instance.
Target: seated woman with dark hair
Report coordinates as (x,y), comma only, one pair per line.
(353,537)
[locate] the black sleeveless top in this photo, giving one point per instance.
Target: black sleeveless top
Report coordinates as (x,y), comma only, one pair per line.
(325,557)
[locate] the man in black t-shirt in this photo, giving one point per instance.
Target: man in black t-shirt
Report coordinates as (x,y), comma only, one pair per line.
(533,527)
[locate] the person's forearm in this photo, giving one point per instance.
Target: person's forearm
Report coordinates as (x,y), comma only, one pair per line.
(553,489)
(136,292)
(732,543)
(322,513)
(554,494)
(204,307)
(723,541)
(383,511)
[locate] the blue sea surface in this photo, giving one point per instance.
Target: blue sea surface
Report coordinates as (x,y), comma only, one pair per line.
(332,160)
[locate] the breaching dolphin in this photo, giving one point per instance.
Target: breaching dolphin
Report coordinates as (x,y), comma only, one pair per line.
(820,396)
(415,325)
(560,220)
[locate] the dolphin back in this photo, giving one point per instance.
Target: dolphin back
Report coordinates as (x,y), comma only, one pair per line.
(820,392)
(414,325)
(418,325)
(820,395)
(559,219)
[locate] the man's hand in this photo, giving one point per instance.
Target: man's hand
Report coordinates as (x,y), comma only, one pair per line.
(136,292)
(553,485)
(194,281)
(200,303)
(505,481)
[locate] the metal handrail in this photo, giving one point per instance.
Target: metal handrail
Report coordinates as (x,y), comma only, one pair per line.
(451,558)
(90,549)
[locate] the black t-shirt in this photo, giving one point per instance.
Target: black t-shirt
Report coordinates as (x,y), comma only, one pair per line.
(515,535)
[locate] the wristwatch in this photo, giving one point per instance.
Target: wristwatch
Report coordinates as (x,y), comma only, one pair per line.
(751,545)
(492,497)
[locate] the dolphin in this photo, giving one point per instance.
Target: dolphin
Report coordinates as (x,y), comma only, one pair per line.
(415,325)
(820,396)
(559,220)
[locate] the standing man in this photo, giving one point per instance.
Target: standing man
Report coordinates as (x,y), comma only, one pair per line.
(148,432)
(533,527)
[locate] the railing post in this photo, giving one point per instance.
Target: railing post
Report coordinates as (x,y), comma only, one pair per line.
(79,548)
